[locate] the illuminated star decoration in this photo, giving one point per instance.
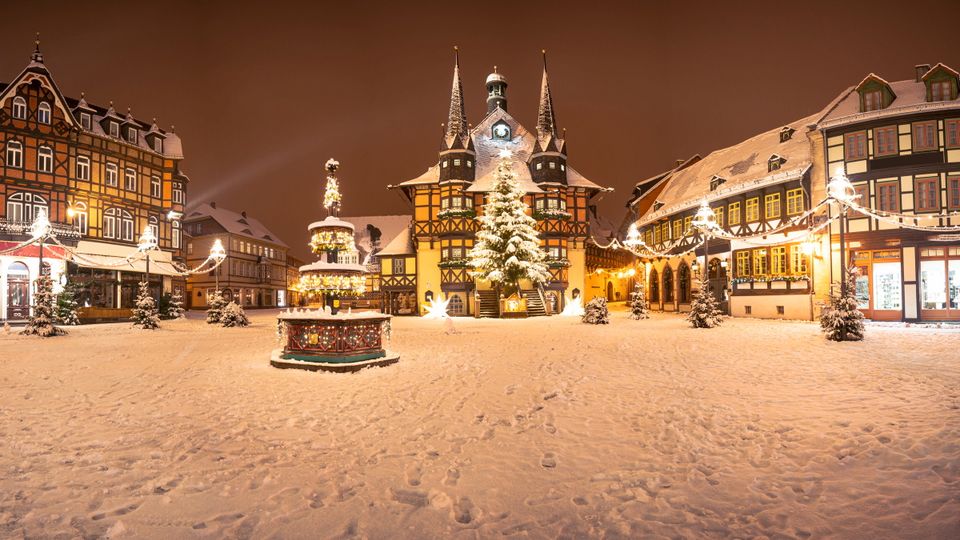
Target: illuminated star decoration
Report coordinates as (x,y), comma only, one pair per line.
(436,309)
(506,154)
(574,308)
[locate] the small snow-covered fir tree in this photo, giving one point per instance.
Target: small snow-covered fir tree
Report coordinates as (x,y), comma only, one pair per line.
(704,310)
(639,308)
(507,248)
(43,312)
(596,311)
(67,305)
(233,315)
(215,303)
(175,309)
(842,320)
(145,313)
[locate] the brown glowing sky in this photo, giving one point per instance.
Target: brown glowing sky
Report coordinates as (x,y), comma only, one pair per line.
(263,93)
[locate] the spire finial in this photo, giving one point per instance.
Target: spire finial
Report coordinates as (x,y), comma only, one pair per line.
(494,69)
(544,53)
(456,55)
(546,120)
(37,56)
(457,116)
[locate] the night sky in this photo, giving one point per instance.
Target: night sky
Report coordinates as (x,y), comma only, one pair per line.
(263,93)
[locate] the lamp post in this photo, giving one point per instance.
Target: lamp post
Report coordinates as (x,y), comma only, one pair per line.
(148,242)
(217,253)
(39,231)
(705,219)
(841,190)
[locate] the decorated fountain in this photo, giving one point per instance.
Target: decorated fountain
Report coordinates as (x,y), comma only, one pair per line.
(326,338)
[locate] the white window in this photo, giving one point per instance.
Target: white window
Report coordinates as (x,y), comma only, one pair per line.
(19,108)
(177,194)
(14,154)
(563,167)
(456,163)
(444,164)
(114,129)
(154,224)
(553,164)
(126,225)
(45,159)
(539,166)
(85,121)
(189,248)
(176,235)
(158,145)
(469,164)
(132,135)
(80,217)
(43,113)
(130,179)
(110,225)
(83,168)
(117,224)
(155,186)
(24,206)
(113,175)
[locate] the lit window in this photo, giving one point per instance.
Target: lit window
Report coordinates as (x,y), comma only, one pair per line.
(130,179)
(677,229)
(794,201)
(753,209)
(155,186)
(553,165)
(113,175)
(24,206)
(771,205)
(928,194)
(718,212)
(43,113)
(19,108)
(154,224)
(687,224)
(778,260)
(743,263)
(14,154)
(83,168)
(80,217)
(760,262)
(798,260)
(445,164)
(925,136)
(85,121)
(469,164)
(45,159)
(540,166)
(176,234)
(733,214)
(855,146)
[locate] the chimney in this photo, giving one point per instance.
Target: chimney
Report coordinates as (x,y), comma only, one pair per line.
(243,213)
(679,162)
(921,70)
(213,204)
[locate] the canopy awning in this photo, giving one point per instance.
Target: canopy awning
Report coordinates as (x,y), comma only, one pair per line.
(102,256)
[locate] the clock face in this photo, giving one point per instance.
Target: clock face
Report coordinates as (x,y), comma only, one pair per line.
(501,131)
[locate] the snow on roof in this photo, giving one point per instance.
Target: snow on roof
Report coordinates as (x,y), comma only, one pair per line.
(330,221)
(911,96)
(740,165)
(402,244)
(389,227)
(235,223)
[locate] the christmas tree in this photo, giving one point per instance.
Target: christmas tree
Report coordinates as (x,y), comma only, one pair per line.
(704,310)
(175,309)
(508,246)
(67,305)
(233,315)
(842,319)
(215,303)
(596,311)
(145,313)
(639,308)
(43,312)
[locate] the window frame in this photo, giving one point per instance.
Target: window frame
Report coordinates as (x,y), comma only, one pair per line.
(934,143)
(130,179)
(795,203)
(86,121)
(13,149)
(44,159)
(19,106)
(111,170)
(855,140)
(772,199)
(918,187)
(156,187)
(951,128)
(893,138)
(873,100)
(82,168)
(752,208)
(743,260)
(759,261)
(953,192)
(44,113)
(80,218)
(733,209)
(778,261)
(895,184)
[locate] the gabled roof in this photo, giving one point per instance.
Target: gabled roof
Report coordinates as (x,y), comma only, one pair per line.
(389,227)
(940,67)
(37,71)
(402,244)
(873,77)
(234,223)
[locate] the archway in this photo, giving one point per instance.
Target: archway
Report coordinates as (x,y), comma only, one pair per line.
(668,290)
(18,291)
(718,282)
(609,291)
(654,286)
(683,283)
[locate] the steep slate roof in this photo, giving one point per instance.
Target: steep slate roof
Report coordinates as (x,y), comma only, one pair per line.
(402,244)
(234,223)
(389,226)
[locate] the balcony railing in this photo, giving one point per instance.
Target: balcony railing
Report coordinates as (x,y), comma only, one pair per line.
(60,230)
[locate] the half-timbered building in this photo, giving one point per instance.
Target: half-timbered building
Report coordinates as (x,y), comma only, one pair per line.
(102,177)
(447,198)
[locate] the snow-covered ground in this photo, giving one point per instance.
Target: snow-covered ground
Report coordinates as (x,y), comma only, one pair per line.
(534,428)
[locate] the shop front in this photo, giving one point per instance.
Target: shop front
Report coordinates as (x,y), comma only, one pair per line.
(939,283)
(879,283)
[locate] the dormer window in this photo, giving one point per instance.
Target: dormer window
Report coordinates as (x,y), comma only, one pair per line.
(941,83)
(19,108)
(445,163)
(501,131)
(85,121)
(553,165)
(456,163)
(657,205)
(786,134)
(774,163)
(941,91)
(540,166)
(469,164)
(114,129)
(716,181)
(43,113)
(158,145)
(132,135)
(872,100)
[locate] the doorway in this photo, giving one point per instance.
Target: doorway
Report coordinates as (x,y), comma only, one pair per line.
(18,292)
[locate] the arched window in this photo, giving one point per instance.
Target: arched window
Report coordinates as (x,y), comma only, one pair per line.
(117,224)
(667,285)
(43,113)
(455,307)
(24,206)
(80,217)
(45,159)
(19,108)
(654,286)
(112,175)
(83,168)
(176,235)
(683,282)
(14,154)
(154,224)
(130,179)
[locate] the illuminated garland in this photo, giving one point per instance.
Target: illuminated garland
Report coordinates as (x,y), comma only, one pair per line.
(770,279)
(331,240)
(338,284)
(898,220)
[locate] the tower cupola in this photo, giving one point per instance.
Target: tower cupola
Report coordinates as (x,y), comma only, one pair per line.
(496,91)
(548,162)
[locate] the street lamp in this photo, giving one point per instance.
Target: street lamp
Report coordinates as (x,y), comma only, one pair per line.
(841,190)
(148,242)
(217,253)
(39,230)
(705,220)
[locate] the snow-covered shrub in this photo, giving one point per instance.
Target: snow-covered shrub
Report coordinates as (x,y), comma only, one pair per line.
(145,314)
(596,311)
(233,316)
(639,308)
(842,320)
(704,310)
(42,314)
(216,304)
(175,309)
(67,305)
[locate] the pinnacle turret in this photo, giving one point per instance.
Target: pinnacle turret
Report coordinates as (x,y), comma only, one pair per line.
(546,121)
(457,118)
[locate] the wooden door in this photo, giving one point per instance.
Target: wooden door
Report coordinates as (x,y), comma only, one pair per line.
(18,292)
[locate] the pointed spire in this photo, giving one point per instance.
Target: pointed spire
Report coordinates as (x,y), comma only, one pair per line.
(457,119)
(37,56)
(546,121)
